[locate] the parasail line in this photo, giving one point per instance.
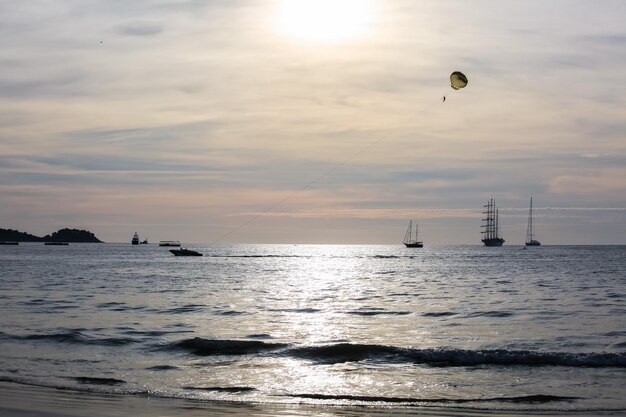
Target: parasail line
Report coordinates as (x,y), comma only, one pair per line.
(458,80)
(325,174)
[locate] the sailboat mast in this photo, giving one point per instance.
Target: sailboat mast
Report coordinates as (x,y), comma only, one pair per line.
(530,233)
(407,235)
(529,229)
(530,220)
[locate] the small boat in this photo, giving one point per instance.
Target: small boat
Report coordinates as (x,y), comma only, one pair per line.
(169,243)
(185,252)
(530,236)
(135,240)
(9,243)
(490,226)
(56,243)
(144,242)
(409,241)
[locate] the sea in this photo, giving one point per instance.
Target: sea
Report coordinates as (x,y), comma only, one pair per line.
(479,330)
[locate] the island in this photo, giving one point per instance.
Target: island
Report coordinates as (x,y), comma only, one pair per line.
(63,235)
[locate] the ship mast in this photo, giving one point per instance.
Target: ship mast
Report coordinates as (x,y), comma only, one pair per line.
(529,230)
(407,235)
(532,234)
(491,225)
(490,220)
(496,236)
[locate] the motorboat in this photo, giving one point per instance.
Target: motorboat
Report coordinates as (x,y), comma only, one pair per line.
(185,252)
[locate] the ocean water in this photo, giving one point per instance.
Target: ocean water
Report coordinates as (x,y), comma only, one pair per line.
(501,330)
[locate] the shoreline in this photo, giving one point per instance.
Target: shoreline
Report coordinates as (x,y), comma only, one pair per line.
(22,400)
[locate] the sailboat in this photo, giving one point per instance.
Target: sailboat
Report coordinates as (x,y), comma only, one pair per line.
(490,226)
(530,236)
(409,241)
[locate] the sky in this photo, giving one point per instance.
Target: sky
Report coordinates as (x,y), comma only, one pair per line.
(313,121)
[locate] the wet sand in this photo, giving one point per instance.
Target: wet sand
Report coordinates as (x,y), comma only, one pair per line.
(19,400)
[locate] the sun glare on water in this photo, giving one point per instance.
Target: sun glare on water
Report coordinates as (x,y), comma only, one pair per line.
(324,21)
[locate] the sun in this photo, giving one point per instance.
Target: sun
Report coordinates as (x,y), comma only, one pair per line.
(324,21)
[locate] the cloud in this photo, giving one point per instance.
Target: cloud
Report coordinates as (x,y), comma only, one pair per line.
(600,182)
(202,107)
(63,84)
(616,39)
(596,155)
(140,29)
(355,213)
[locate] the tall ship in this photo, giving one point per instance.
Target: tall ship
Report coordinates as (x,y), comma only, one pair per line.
(490,227)
(411,241)
(530,235)
(135,240)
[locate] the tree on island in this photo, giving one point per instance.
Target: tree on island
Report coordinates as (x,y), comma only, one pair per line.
(63,235)
(72,235)
(10,235)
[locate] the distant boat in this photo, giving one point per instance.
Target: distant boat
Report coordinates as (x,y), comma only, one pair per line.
(56,243)
(135,240)
(490,226)
(409,241)
(530,235)
(169,243)
(185,252)
(9,243)
(144,242)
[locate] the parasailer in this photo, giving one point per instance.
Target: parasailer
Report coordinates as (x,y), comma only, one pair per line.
(458,80)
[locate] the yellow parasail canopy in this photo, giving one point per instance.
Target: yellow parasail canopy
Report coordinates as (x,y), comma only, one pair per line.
(458,80)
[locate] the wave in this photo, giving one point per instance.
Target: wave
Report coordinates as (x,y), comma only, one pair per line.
(377,313)
(436,357)
(343,352)
(528,399)
(386,273)
(163,368)
(475,404)
(445,357)
(259,256)
(97,381)
(296,310)
(153,333)
(75,337)
(111,304)
(209,347)
(259,336)
(188,308)
(222,389)
(231,313)
(439,314)
(491,313)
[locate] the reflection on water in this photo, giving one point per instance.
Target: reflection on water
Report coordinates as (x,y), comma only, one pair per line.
(473,327)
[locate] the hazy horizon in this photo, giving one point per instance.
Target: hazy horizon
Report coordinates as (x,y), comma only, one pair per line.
(313,121)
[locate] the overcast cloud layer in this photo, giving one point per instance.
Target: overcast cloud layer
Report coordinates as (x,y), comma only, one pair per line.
(188,119)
